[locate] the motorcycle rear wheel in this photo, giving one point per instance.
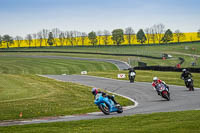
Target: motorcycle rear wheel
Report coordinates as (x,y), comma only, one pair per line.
(120,109)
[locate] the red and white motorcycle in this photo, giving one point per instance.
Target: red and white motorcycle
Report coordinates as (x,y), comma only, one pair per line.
(164,91)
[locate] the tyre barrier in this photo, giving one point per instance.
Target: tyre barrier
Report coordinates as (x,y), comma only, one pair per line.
(167,68)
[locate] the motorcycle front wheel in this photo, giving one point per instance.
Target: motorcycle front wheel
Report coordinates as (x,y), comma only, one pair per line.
(166,96)
(104,108)
(191,87)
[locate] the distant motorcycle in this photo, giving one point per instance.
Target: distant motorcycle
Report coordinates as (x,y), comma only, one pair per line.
(189,83)
(164,91)
(106,105)
(132,77)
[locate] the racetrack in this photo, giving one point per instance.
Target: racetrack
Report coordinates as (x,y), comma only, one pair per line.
(143,93)
(147,98)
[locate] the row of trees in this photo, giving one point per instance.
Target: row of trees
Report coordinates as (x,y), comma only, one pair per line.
(156,33)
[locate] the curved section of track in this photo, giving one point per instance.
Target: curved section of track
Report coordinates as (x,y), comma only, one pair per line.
(149,101)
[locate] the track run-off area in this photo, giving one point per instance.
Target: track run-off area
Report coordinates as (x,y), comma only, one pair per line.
(145,98)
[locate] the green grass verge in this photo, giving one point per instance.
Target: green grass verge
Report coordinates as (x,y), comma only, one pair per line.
(19,65)
(175,50)
(156,50)
(133,59)
(37,96)
(171,122)
(172,78)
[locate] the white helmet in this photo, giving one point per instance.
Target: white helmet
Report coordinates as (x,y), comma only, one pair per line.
(184,70)
(155,78)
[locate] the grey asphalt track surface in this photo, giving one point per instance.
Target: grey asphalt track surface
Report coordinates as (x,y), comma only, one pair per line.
(143,93)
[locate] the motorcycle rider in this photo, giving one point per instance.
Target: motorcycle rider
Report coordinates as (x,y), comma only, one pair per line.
(131,70)
(95,91)
(157,81)
(185,75)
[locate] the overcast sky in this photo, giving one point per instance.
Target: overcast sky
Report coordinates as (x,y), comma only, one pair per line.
(21,17)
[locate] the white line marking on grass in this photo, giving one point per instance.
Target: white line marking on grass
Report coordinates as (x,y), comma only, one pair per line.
(127,107)
(94,113)
(67,116)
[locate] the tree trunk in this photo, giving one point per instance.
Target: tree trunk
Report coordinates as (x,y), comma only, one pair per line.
(8,45)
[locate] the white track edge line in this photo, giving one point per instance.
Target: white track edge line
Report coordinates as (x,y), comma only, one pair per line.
(126,107)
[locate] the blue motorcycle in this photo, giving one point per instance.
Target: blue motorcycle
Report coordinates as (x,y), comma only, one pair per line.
(106,105)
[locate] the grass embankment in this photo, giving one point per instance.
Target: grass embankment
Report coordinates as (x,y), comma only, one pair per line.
(175,50)
(172,78)
(19,65)
(178,122)
(37,96)
(34,96)
(156,50)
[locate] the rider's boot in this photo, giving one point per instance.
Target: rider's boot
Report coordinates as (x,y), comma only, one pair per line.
(158,92)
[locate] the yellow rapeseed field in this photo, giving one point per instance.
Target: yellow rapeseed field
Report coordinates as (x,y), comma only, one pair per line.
(192,36)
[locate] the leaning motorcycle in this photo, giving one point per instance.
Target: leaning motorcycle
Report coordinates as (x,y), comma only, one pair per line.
(189,84)
(106,105)
(164,91)
(132,77)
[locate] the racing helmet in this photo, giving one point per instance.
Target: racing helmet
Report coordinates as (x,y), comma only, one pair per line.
(94,91)
(155,79)
(184,70)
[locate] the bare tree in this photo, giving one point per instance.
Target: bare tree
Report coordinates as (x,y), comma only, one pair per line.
(159,32)
(83,38)
(40,38)
(66,37)
(106,35)
(19,40)
(198,33)
(77,37)
(130,35)
(29,40)
(191,38)
(56,32)
(62,38)
(1,40)
(153,35)
(99,36)
(70,37)
(73,37)
(45,35)
(148,34)
(179,35)
(34,39)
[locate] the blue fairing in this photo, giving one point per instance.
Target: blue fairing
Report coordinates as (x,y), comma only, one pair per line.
(99,99)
